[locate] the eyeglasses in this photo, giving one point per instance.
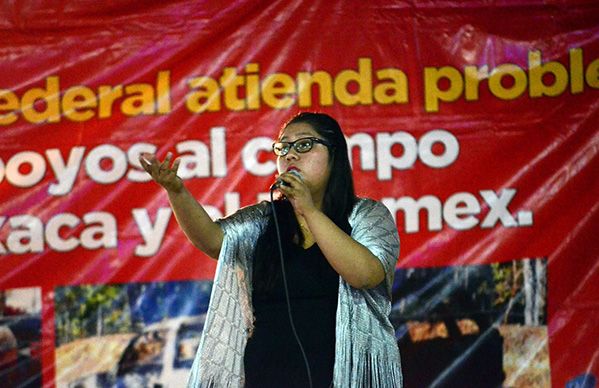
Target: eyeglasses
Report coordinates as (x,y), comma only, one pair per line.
(303,145)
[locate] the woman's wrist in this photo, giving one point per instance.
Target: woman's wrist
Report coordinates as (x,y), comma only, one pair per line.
(310,213)
(174,188)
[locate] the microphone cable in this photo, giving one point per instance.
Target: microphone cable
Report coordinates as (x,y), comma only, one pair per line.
(280,244)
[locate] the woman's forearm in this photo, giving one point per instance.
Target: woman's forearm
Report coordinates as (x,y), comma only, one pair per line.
(352,260)
(197,225)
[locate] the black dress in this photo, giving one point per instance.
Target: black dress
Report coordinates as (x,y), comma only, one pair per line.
(272,356)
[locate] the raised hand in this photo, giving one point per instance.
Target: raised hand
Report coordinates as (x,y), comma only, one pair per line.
(162,172)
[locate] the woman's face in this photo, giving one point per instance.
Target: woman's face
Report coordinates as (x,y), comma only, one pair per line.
(312,165)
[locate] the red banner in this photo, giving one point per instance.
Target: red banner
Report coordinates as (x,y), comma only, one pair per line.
(476,125)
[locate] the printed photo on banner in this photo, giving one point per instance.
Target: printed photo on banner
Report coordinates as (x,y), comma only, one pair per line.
(128,335)
(481,324)
(20,337)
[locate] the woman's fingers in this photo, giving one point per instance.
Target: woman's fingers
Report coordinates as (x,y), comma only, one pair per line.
(162,172)
(150,164)
(290,178)
(144,164)
(164,166)
(148,158)
(176,165)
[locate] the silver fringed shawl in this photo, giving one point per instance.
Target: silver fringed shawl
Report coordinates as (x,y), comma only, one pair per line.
(366,352)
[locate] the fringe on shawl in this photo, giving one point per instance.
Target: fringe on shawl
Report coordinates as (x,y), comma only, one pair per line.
(205,371)
(216,381)
(378,367)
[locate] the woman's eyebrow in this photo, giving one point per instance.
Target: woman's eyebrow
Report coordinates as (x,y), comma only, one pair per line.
(301,134)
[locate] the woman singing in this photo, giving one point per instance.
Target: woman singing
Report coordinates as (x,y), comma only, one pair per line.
(318,317)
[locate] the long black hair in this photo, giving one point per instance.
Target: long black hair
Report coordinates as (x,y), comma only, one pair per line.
(339,199)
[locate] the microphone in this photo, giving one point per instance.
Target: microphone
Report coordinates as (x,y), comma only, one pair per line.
(279,182)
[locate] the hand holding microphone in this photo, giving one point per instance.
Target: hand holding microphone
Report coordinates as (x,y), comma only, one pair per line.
(297,193)
(280,182)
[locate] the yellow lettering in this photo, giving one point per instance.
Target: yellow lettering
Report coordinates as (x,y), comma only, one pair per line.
(536,71)
(472,78)
(49,95)
(205,98)
(9,102)
(107,95)
(163,91)
(592,74)
(252,89)
(77,103)
(363,78)
(278,90)
(230,81)
(507,93)
(306,80)
(433,94)
(394,91)
(576,71)
(140,100)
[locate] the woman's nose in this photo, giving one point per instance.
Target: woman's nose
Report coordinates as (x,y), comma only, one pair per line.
(292,154)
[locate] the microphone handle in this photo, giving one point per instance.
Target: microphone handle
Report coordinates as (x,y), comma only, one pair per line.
(279,182)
